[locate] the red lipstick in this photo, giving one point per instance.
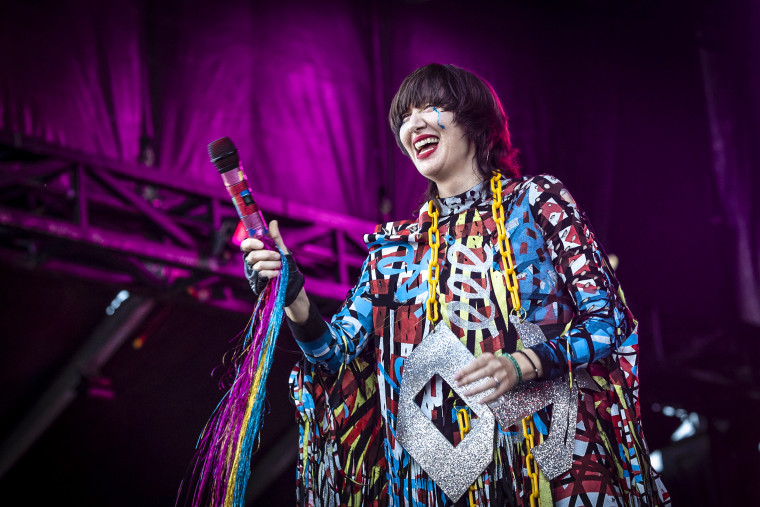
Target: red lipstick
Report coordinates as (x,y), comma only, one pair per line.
(426,149)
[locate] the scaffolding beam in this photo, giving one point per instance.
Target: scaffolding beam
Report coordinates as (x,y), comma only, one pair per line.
(126,221)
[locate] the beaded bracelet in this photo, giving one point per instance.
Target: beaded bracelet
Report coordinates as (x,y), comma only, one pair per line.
(517,369)
(530,361)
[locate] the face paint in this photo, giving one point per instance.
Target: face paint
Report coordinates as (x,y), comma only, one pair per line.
(441,162)
(438,121)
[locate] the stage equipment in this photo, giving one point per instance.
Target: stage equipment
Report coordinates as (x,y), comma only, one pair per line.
(222,464)
(225,157)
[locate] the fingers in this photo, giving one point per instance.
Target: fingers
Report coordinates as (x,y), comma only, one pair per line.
(496,394)
(266,262)
(488,367)
(472,371)
(268,269)
(253,244)
(267,256)
(274,233)
(484,386)
(265,265)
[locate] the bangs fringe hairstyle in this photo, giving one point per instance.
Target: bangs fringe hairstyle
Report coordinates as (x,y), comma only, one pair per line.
(477,110)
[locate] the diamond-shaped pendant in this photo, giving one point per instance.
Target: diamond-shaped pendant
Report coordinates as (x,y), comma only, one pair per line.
(452,468)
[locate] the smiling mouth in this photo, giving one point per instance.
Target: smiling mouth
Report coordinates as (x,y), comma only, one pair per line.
(425,147)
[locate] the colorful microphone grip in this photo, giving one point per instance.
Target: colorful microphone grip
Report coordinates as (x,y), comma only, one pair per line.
(225,157)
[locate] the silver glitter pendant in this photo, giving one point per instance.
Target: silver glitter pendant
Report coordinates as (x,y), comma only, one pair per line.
(555,455)
(529,333)
(453,469)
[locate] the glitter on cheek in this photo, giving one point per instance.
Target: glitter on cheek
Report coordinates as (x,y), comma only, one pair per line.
(438,120)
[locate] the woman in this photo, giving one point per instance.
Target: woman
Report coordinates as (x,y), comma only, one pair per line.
(452,126)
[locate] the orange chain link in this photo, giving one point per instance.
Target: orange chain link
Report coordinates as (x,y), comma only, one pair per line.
(434,270)
(510,277)
(434,240)
(463,418)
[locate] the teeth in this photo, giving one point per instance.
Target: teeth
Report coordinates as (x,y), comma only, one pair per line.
(428,140)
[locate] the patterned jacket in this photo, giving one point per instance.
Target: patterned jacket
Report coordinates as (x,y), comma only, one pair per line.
(347,390)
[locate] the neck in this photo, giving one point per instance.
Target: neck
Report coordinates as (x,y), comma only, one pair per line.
(459,184)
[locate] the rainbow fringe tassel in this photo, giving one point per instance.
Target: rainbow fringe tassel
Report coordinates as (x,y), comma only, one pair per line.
(222,462)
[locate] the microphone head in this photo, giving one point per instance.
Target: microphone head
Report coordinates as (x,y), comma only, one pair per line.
(223,155)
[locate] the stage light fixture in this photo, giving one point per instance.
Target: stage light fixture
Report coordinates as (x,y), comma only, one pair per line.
(117,301)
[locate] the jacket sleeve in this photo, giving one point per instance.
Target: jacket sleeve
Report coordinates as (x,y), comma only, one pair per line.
(329,345)
(601,321)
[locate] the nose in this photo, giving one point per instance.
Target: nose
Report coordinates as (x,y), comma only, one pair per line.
(416,122)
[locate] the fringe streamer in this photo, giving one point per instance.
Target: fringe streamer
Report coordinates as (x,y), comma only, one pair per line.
(221,465)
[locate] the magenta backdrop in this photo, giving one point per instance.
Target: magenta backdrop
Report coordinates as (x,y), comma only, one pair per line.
(609,100)
(74,76)
(290,85)
(647,110)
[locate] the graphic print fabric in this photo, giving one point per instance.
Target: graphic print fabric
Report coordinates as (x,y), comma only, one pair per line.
(354,365)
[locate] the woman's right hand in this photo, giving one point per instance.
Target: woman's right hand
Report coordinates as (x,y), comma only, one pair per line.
(262,264)
(267,263)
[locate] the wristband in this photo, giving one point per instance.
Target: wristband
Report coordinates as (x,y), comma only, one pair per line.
(258,282)
(517,369)
(530,361)
(295,281)
(311,330)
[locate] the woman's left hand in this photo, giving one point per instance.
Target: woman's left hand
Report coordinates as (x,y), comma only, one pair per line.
(499,372)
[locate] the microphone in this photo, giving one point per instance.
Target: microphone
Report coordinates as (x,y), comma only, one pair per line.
(225,158)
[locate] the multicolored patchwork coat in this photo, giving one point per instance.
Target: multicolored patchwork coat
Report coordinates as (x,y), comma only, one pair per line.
(347,388)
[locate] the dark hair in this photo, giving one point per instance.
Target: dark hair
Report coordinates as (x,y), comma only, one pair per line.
(476,109)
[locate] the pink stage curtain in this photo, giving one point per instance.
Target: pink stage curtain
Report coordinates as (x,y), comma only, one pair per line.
(74,76)
(617,110)
(730,61)
(289,84)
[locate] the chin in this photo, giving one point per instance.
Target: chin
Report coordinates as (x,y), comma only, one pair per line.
(428,172)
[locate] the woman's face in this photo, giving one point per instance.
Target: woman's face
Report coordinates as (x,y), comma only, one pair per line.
(437,146)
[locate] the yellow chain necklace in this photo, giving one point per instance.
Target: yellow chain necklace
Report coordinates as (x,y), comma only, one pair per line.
(510,277)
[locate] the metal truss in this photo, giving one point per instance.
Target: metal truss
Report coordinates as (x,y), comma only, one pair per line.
(123,224)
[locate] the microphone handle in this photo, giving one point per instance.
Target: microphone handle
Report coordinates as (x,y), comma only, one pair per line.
(242,199)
